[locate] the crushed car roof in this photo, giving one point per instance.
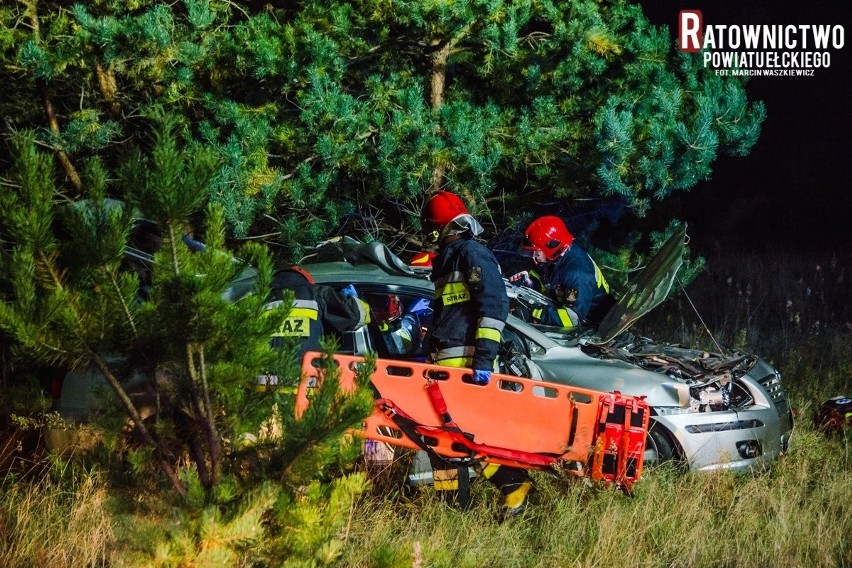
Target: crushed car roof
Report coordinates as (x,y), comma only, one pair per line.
(328,260)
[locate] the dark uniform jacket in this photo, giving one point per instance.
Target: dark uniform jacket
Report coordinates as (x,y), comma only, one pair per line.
(576,282)
(469,308)
(316,309)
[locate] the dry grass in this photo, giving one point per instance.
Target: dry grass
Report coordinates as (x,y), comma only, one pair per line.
(798,515)
(54,523)
(794,312)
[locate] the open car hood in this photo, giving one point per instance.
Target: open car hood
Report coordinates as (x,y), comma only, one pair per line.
(646,291)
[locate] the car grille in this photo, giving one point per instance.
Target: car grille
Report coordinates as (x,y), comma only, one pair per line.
(773,387)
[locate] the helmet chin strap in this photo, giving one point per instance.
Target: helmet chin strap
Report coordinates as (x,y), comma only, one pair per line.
(453,230)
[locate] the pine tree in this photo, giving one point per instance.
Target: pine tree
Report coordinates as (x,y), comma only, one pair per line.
(331,115)
(73,301)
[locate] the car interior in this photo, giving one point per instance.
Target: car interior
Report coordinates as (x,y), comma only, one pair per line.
(398,329)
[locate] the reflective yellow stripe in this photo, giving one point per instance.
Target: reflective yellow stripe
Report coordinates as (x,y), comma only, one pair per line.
(455,362)
(536,277)
(445,479)
(492,323)
(490,469)
(599,278)
(303,313)
(516,497)
(488,333)
(453,293)
(537,313)
(565,318)
(363,312)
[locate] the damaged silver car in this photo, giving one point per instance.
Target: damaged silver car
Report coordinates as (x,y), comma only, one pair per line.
(709,410)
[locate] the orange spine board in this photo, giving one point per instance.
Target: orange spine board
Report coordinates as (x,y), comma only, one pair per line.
(521,414)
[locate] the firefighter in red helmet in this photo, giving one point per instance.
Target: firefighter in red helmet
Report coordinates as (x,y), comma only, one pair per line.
(469,311)
(576,284)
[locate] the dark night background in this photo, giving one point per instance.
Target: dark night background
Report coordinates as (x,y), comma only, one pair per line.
(792,191)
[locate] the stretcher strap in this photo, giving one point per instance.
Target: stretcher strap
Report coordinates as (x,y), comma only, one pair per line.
(456,435)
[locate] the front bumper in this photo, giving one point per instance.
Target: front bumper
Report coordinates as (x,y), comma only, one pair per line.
(739,440)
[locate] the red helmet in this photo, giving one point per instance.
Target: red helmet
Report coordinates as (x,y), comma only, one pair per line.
(422,259)
(549,235)
(386,308)
(441,209)
(291,278)
(301,271)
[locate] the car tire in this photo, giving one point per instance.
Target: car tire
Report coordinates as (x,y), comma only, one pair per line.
(660,447)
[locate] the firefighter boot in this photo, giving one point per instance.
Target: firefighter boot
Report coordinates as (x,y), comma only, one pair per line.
(515,499)
(515,485)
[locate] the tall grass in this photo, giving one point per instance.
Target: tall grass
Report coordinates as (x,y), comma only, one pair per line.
(794,311)
(55,522)
(797,515)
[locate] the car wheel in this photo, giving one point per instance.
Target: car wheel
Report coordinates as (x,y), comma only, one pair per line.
(660,447)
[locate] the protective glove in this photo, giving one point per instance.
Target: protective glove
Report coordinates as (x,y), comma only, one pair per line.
(521,279)
(194,246)
(481,376)
(349,292)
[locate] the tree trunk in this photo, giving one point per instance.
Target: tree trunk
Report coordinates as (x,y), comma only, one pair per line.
(49,109)
(131,411)
(109,89)
(438,86)
(204,411)
(436,100)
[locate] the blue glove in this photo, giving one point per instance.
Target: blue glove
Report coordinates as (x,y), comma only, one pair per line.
(481,376)
(420,305)
(349,292)
(194,246)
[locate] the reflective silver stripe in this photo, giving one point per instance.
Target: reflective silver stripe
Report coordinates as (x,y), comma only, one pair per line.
(493,323)
(309,304)
(452,352)
(451,277)
(600,281)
